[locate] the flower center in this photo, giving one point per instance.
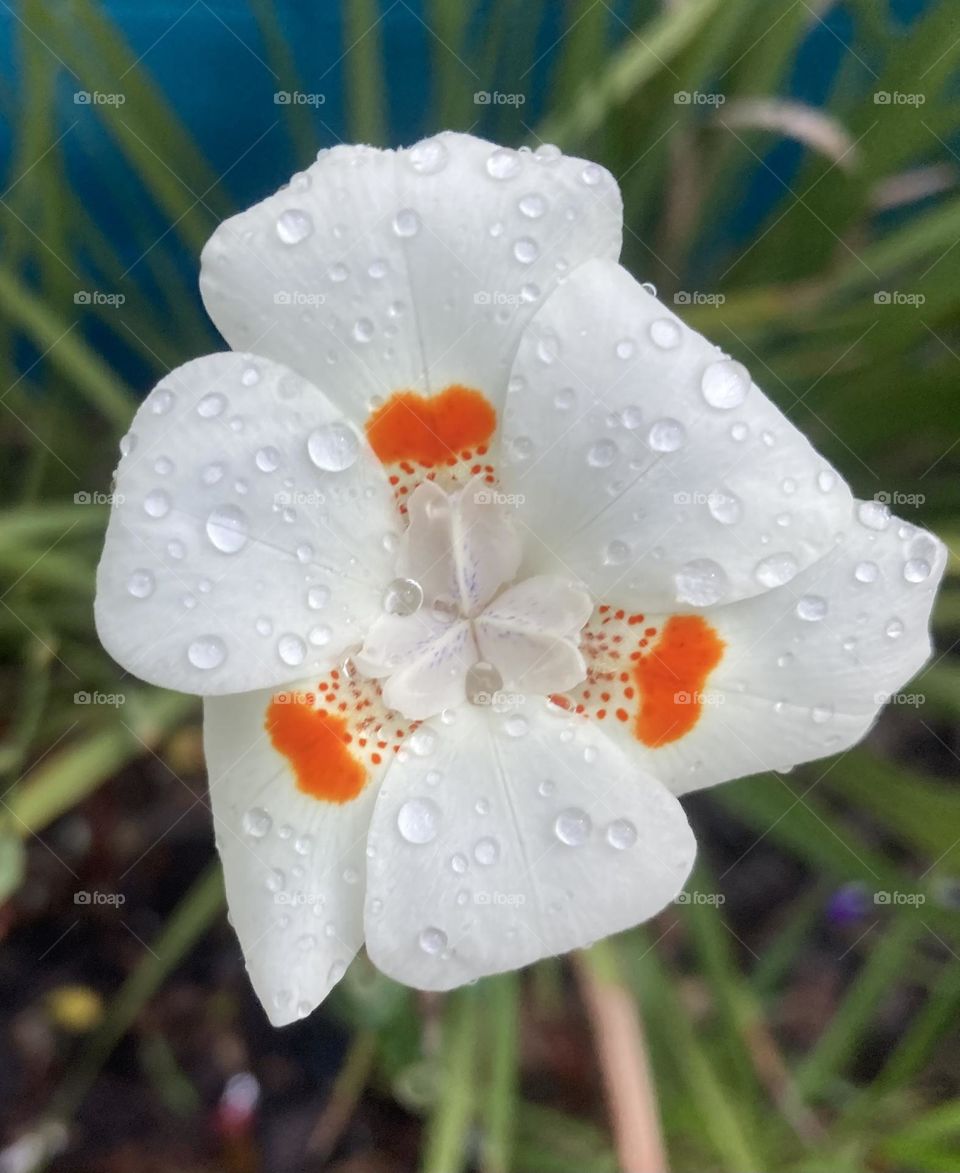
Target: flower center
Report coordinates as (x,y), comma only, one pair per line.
(455,625)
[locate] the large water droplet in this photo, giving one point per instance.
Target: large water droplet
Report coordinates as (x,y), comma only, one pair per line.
(573,827)
(207,652)
(227,529)
(294,225)
(318,597)
(406,223)
(725,384)
(526,250)
(775,570)
(333,447)
(503,163)
(291,649)
(428,157)
(156,504)
(724,507)
(916,570)
(433,941)
(403,596)
(602,454)
(812,608)
(866,572)
(700,582)
(665,333)
(666,435)
(267,459)
(874,514)
(418,820)
(256,822)
(621,834)
(486,851)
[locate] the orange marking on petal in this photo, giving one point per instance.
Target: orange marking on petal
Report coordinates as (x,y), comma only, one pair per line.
(315,744)
(671,678)
(430,429)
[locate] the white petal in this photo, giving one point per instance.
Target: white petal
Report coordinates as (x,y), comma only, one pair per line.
(233,558)
(435,678)
(531,631)
(766,683)
(292,803)
(504,843)
(379,271)
(649,464)
(486,547)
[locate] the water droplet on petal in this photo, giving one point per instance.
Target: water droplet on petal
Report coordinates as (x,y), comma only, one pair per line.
(701,582)
(432,941)
(156,504)
(866,572)
(428,157)
(141,584)
(227,528)
(621,834)
(874,514)
(256,822)
(486,851)
(812,608)
(775,570)
(482,681)
(667,435)
(665,333)
(333,447)
(291,649)
(406,223)
(602,454)
(207,652)
(725,384)
(403,596)
(294,225)
(418,820)
(916,570)
(573,827)
(526,250)
(503,163)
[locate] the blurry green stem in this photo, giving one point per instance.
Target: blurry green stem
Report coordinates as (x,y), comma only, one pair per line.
(448,1129)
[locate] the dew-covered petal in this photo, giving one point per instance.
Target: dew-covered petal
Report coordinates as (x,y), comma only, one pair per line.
(514,838)
(794,674)
(649,463)
(251,535)
(376,272)
(292,799)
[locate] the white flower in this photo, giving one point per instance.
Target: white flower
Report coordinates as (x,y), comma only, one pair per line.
(480,557)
